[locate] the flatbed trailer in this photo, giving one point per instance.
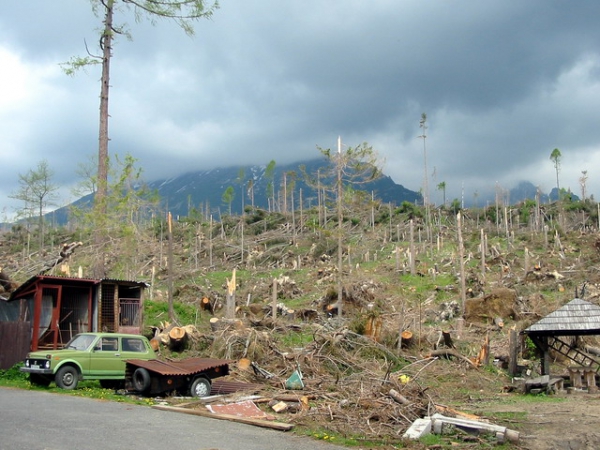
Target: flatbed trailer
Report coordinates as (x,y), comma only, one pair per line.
(188,376)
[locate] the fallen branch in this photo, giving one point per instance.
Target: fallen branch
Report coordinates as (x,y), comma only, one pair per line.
(258,422)
(446,352)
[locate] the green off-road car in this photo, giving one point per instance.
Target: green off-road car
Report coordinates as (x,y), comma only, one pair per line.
(88,356)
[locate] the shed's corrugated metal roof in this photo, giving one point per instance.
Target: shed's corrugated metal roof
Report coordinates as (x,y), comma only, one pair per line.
(187,366)
(576,317)
(59,279)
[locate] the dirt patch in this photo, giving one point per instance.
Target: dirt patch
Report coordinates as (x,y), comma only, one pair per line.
(568,422)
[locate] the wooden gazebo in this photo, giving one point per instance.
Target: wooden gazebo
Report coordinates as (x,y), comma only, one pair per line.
(576,318)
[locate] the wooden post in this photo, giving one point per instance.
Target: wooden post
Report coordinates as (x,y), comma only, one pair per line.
(274,301)
(170,268)
(512,353)
(461,252)
(412,248)
(482,244)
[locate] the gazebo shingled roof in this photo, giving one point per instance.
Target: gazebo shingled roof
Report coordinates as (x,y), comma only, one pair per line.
(577,317)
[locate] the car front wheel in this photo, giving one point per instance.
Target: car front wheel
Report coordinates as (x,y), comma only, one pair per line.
(67,377)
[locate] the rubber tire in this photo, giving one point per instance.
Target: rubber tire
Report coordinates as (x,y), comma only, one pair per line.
(141,380)
(67,377)
(200,387)
(39,380)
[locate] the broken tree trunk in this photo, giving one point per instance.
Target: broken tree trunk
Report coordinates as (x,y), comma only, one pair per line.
(484,354)
(230,312)
(64,254)
(447,339)
(373,328)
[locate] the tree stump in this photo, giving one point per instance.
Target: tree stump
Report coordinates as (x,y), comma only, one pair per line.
(407,338)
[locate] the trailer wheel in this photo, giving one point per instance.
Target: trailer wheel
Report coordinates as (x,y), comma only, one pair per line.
(141,380)
(200,387)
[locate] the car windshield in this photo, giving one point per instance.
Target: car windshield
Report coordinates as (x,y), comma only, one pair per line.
(80,342)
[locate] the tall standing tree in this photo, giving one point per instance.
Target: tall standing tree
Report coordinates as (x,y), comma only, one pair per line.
(37,191)
(270,177)
(241,179)
(228,196)
(442,187)
(583,183)
(423,126)
(183,12)
(354,166)
(555,158)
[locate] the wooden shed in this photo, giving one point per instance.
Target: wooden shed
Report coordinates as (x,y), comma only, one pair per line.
(57,308)
(558,329)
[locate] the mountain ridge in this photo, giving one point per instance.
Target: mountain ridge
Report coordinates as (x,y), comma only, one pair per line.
(203,190)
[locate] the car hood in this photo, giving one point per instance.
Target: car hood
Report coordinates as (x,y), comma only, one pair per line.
(61,354)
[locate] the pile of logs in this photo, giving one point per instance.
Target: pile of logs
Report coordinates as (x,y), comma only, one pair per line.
(174,337)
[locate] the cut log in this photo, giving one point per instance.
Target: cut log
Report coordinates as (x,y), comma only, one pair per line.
(451,412)
(279,407)
(191,330)
(396,396)
(214,323)
(163,338)
(177,338)
(217,324)
(206,305)
(155,344)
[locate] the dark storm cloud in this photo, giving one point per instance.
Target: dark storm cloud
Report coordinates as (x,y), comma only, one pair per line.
(502,83)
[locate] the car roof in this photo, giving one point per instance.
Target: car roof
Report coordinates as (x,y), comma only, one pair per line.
(105,334)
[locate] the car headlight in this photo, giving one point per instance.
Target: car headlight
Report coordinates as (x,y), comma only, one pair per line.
(47,364)
(26,363)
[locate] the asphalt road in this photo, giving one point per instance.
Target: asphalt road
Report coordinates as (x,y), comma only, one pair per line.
(36,420)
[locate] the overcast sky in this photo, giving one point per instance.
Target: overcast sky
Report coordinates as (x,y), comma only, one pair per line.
(502,82)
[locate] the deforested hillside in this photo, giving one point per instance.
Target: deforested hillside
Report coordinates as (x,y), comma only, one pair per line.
(392,300)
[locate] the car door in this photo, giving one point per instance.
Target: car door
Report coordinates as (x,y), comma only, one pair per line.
(106,359)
